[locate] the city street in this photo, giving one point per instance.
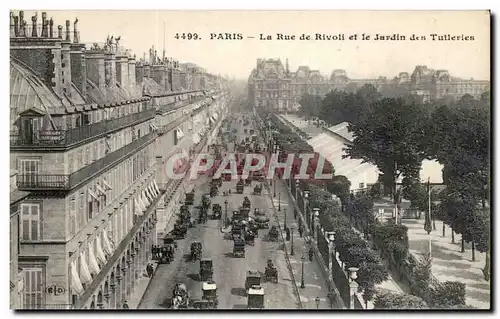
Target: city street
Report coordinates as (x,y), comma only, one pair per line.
(229,272)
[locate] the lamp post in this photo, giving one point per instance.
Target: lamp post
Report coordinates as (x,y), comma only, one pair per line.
(353,285)
(315,223)
(291,235)
(317,300)
(332,253)
(302,285)
(284,210)
(225,217)
(279,203)
(274,186)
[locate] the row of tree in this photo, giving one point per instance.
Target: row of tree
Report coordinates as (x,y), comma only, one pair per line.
(396,134)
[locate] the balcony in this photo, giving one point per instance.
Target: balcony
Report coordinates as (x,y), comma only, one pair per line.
(177,105)
(70,137)
(170,126)
(39,182)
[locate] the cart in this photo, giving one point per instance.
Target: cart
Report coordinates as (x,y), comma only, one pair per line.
(216,211)
(273,233)
(244,211)
(239,187)
(255,297)
(271,273)
(189,198)
(262,221)
(239,248)
(206,269)
(180,297)
(257,190)
(210,293)
(253,278)
(196,251)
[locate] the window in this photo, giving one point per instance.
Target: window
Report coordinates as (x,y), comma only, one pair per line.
(95,153)
(29,170)
(30,221)
(81,209)
(72,217)
(33,287)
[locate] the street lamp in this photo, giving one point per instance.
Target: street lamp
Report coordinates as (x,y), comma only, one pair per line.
(225,217)
(284,210)
(317,300)
(291,234)
(279,203)
(302,285)
(274,185)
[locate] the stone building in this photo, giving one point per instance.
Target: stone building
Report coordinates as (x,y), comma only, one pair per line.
(271,84)
(88,127)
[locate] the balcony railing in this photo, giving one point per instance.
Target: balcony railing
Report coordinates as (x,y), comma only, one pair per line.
(48,307)
(67,182)
(63,138)
(177,105)
(170,126)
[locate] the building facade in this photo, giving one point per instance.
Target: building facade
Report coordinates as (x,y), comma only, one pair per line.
(90,127)
(271,84)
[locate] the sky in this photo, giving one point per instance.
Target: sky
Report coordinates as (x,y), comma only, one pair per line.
(139,30)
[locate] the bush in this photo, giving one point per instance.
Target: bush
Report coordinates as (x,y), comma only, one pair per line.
(390,300)
(448,294)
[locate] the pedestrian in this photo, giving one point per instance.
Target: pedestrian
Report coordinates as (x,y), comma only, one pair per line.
(301,231)
(149,270)
(311,254)
(125,305)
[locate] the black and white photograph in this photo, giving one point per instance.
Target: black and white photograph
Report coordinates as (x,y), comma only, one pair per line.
(250,160)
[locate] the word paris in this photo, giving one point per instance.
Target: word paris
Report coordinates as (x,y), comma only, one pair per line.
(304,166)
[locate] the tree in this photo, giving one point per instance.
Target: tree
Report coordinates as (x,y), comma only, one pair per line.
(392,300)
(391,136)
(340,186)
(310,105)
(360,208)
(422,277)
(448,294)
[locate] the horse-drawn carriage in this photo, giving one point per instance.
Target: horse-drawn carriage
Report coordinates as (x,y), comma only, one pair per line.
(250,237)
(189,198)
(248,181)
(205,200)
(226,177)
(257,190)
(271,273)
(180,229)
(252,226)
(203,215)
(258,176)
(238,247)
(206,269)
(196,251)
(255,297)
(216,182)
(214,191)
(216,211)
(237,230)
(262,221)
(210,293)
(273,233)
(246,202)
(244,211)
(165,253)
(180,297)
(252,279)
(240,186)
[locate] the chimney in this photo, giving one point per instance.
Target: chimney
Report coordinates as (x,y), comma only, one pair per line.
(147,70)
(45,24)
(79,68)
(94,61)
(13,25)
(159,74)
(22,25)
(59,31)
(139,73)
(110,68)
(76,34)
(132,75)
(68,33)
(122,71)
(66,68)
(51,28)
(34,31)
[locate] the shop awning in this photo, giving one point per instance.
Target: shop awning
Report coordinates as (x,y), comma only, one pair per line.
(76,284)
(196,138)
(84,269)
(99,252)
(94,266)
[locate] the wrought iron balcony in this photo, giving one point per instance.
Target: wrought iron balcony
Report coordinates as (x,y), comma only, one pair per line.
(65,138)
(178,105)
(32,182)
(48,307)
(170,126)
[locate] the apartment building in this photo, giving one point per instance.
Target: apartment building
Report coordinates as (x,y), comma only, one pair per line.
(84,142)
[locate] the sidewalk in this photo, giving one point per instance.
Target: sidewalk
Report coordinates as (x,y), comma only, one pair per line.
(140,288)
(314,281)
(448,263)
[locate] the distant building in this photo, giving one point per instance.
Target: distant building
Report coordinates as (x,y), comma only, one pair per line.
(272,85)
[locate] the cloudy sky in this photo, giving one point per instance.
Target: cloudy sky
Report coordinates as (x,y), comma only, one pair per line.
(139,30)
